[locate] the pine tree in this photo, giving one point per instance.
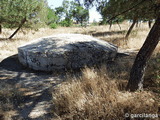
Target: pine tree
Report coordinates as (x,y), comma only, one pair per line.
(18,13)
(139,9)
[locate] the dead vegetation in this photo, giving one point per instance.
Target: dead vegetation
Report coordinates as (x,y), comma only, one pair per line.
(98,93)
(95,96)
(9,95)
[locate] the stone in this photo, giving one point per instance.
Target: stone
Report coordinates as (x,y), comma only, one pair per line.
(65,51)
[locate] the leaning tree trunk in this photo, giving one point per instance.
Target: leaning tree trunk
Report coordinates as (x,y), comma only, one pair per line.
(138,68)
(110,25)
(150,23)
(131,27)
(137,23)
(118,24)
(22,22)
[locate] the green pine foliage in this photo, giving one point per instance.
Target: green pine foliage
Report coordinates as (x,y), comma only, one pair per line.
(71,11)
(52,18)
(66,22)
(14,11)
(141,9)
(80,14)
(53,25)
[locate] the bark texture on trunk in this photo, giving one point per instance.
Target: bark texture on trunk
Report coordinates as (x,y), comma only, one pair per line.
(138,68)
(118,25)
(150,23)
(22,23)
(137,23)
(110,26)
(131,27)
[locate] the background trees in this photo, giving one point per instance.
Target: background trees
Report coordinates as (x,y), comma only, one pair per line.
(70,11)
(139,10)
(36,13)
(52,18)
(80,14)
(14,13)
(59,11)
(127,10)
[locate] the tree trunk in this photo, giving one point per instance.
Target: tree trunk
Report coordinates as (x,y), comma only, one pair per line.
(137,23)
(22,22)
(0,28)
(150,23)
(131,27)
(138,68)
(81,23)
(110,25)
(118,25)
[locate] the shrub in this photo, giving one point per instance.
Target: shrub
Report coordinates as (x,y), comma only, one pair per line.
(53,25)
(66,23)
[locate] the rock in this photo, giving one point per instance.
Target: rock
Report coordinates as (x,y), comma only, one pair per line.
(65,51)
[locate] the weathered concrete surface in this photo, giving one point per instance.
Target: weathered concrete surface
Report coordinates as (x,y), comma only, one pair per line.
(65,51)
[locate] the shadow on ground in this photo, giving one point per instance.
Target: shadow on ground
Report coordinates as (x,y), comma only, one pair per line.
(35,100)
(12,64)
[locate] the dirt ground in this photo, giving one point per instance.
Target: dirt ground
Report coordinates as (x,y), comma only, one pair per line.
(34,100)
(27,91)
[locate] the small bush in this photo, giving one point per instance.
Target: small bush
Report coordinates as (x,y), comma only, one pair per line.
(53,25)
(66,23)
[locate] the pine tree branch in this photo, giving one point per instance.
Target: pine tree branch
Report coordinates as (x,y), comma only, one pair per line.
(126,11)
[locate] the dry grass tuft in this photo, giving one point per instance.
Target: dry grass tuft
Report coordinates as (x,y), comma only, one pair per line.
(9,95)
(95,96)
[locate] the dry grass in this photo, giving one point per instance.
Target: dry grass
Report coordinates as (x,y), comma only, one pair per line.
(115,35)
(9,95)
(98,94)
(9,47)
(95,96)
